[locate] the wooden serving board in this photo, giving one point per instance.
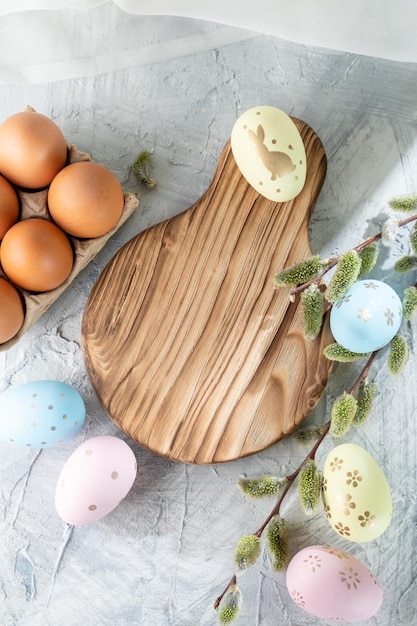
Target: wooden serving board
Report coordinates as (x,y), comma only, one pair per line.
(189,347)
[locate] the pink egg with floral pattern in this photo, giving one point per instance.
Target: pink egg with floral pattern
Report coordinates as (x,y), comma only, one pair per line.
(333,585)
(94,480)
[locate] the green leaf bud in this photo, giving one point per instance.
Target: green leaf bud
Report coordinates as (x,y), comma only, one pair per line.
(312,304)
(345,275)
(398,354)
(406,203)
(309,483)
(406,264)
(299,273)
(276,536)
(368,256)
(229,606)
(261,487)
(140,168)
(366,395)
(336,352)
(409,303)
(307,435)
(247,550)
(343,413)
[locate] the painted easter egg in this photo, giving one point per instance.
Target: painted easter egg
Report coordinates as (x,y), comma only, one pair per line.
(40,414)
(269,152)
(333,585)
(94,480)
(367,317)
(356,495)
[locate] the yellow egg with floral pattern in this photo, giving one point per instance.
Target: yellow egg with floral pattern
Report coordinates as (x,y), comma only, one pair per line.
(355,493)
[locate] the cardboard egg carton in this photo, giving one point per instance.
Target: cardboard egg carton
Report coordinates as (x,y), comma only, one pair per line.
(34,204)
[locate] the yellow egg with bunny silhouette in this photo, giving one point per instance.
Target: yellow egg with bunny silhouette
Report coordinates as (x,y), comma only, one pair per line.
(270,153)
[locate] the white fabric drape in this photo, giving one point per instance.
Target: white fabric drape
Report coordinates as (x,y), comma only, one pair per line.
(46,40)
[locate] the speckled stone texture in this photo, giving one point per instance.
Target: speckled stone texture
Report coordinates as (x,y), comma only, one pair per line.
(162,557)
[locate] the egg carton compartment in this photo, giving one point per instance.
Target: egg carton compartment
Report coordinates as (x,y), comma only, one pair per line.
(34,204)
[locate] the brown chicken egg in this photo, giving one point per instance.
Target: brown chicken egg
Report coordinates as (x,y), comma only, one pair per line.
(11,311)
(36,255)
(32,149)
(9,206)
(85,199)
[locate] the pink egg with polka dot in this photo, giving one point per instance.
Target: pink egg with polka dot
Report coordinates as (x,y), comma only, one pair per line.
(333,585)
(94,480)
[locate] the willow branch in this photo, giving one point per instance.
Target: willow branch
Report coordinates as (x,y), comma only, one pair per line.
(334,260)
(292,477)
(220,597)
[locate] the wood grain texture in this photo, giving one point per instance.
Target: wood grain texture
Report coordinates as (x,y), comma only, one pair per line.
(190,349)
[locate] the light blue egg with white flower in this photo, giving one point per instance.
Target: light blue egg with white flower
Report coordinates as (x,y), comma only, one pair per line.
(40,414)
(367,317)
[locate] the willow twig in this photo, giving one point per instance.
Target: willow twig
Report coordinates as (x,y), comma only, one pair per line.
(334,260)
(220,597)
(290,479)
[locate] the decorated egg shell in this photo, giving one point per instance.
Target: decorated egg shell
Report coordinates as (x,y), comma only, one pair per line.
(40,414)
(269,152)
(333,585)
(94,480)
(356,496)
(367,317)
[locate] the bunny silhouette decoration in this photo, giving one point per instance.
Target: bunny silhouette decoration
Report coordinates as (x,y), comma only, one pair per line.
(270,153)
(278,163)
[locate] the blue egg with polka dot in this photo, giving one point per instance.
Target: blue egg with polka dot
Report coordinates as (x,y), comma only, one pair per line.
(40,414)
(367,317)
